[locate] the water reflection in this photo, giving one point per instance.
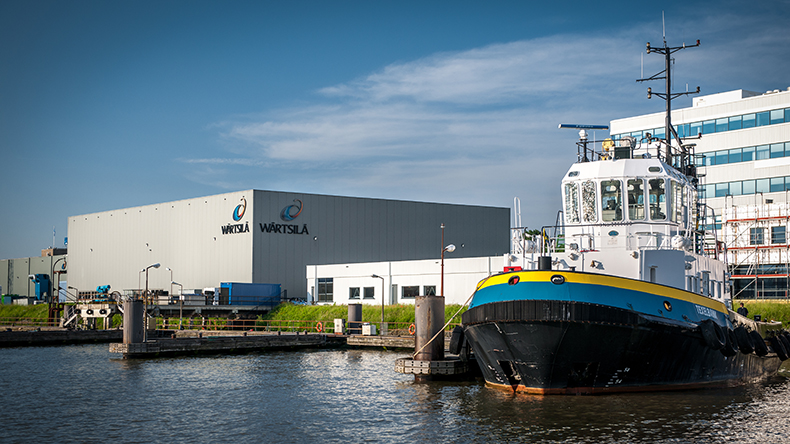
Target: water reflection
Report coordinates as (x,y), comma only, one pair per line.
(344,396)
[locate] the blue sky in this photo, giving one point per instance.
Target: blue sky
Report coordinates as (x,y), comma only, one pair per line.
(110,104)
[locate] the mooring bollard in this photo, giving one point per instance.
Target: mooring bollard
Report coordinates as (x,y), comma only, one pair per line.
(429,320)
(133,328)
(428,362)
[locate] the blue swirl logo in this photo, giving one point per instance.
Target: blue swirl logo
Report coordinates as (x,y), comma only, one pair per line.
(238,213)
(291,212)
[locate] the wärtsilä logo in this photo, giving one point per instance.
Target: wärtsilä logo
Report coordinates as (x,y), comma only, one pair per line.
(291,212)
(238,213)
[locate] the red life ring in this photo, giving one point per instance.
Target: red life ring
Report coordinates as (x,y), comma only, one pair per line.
(412,329)
(319,326)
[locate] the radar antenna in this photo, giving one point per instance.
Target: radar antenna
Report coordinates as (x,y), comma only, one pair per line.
(581,145)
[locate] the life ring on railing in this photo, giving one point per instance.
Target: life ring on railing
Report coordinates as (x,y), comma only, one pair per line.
(319,327)
(412,329)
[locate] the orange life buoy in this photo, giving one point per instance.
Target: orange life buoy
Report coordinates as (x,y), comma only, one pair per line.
(320,327)
(412,329)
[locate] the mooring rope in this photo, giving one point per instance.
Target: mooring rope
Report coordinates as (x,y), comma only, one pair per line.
(441,331)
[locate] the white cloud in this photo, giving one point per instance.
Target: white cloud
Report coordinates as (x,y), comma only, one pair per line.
(476,126)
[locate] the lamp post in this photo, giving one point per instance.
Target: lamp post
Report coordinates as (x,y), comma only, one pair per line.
(145,296)
(139,276)
(381,327)
(180,304)
(171,281)
(450,248)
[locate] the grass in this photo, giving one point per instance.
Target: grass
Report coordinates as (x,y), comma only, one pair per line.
(370,313)
(402,314)
(33,312)
(777,311)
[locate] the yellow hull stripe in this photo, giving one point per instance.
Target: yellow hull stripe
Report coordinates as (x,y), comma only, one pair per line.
(606,281)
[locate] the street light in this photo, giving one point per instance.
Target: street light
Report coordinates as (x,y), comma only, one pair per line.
(382,302)
(180,303)
(145,333)
(169,293)
(450,248)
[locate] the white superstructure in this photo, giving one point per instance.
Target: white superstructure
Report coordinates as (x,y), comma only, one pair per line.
(743,161)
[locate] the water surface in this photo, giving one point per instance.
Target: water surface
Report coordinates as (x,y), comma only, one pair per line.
(84,393)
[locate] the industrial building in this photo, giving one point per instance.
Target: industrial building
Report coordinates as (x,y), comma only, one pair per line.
(403,281)
(743,160)
(34,278)
(257,236)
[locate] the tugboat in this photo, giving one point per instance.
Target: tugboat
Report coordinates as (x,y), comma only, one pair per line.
(630,294)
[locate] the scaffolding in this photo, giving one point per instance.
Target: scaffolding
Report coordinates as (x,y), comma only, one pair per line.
(758,252)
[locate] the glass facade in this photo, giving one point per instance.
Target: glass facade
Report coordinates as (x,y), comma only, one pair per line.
(730,123)
(746,154)
(745,187)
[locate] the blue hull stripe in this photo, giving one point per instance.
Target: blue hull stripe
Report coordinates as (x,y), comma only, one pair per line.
(674,304)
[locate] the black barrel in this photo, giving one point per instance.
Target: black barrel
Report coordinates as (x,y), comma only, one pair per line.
(544,263)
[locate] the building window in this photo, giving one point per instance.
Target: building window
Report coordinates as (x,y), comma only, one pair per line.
(353,293)
(370,293)
(777,150)
(763,118)
(756,236)
(325,290)
(410,292)
(779,235)
(429,290)
(393,294)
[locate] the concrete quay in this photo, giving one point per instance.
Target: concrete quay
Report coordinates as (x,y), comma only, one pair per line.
(210,343)
(23,337)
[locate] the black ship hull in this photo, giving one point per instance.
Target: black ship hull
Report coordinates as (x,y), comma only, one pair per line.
(561,347)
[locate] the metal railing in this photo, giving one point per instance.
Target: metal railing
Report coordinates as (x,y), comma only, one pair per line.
(241,325)
(257,325)
(27,322)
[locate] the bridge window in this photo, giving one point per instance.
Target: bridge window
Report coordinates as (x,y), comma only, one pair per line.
(611,200)
(636,199)
(658,199)
(571,203)
(588,201)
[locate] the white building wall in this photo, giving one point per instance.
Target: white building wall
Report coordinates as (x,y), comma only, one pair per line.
(460,278)
(186,236)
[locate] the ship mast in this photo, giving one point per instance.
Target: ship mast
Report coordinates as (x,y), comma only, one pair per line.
(668,96)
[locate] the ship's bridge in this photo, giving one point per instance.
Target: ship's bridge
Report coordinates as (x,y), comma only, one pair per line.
(643,202)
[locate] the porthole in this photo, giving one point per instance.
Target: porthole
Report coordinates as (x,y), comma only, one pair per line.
(513,280)
(667,305)
(654,169)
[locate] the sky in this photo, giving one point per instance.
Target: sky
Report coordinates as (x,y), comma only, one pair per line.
(110,104)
